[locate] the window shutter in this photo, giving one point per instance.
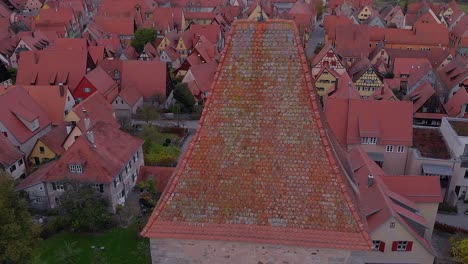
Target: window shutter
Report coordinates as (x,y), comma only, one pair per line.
(382,246)
(115,183)
(409,246)
(101,188)
(394,245)
(54,187)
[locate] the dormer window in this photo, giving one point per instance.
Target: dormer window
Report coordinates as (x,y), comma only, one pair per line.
(75,168)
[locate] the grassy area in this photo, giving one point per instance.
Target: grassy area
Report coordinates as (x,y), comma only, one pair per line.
(121,245)
(463,7)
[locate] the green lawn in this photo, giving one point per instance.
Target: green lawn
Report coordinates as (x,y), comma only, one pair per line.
(463,7)
(120,246)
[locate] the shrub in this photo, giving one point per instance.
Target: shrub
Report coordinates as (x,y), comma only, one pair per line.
(444,207)
(449,228)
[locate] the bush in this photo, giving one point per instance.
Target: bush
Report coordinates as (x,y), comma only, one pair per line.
(54,225)
(444,207)
(449,229)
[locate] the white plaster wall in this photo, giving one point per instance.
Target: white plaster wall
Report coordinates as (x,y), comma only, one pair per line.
(170,251)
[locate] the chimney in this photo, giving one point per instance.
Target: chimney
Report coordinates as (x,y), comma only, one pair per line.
(61,89)
(69,128)
(370,180)
(87,121)
(90,136)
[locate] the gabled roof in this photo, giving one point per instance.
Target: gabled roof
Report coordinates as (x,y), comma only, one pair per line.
(420,95)
(36,177)
(381,204)
(154,80)
(103,83)
(419,189)
(384,93)
(323,52)
(212,32)
(51,67)
(360,67)
(55,138)
(121,26)
(389,121)
(204,75)
(129,53)
(166,19)
(456,102)
(130,95)
(435,56)
(70,44)
(97,108)
(454,72)
(345,88)
(101,164)
(227,160)
(16,99)
(461,28)
(352,40)
(9,154)
(50,99)
(409,65)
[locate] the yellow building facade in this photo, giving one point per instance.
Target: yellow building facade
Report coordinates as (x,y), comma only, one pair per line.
(255,15)
(325,80)
(41,153)
(365,13)
(368,83)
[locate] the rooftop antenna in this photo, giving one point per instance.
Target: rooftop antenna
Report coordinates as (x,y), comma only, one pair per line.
(261,18)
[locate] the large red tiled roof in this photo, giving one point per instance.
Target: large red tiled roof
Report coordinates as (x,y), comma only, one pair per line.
(51,67)
(16,100)
(36,177)
(456,102)
(98,109)
(384,93)
(419,189)
(51,100)
(122,26)
(9,154)
(149,77)
(103,83)
(55,138)
(211,32)
(345,88)
(101,164)
(261,167)
(389,121)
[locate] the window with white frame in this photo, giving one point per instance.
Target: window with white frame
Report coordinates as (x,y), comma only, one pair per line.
(98,187)
(72,168)
(79,169)
(13,168)
(401,149)
(37,200)
(369,140)
(378,245)
(402,246)
(389,148)
(60,187)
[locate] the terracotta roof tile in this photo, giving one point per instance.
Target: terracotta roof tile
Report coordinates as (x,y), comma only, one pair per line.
(98,109)
(36,177)
(37,67)
(9,154)
(430,143)
(256,146)
(103,83)
(384,93)
(154,80)
(419,189)
(55,138)
(17,100)
(131,95)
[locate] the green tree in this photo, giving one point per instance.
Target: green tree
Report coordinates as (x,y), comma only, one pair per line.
(319,7)
(460,248)
(183,95)
(158,98)
(13,73)
(143,36)
(86,208)
(18,234)
(148,113)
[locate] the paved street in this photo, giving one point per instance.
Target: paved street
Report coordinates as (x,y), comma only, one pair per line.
(460,220)
(317,36)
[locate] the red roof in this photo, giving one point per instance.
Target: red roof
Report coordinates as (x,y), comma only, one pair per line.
(352,40)
(35,177)
(51,67)
(16,100)
(9,154)
(161,175)
(53,21)
(380,203)
(331,22)
(419,189)
(384,93)
(166,19)
(456,102)
(436,56)
(101,164)
(211,32)
(98,109)
(453,73)
(55,138)
(345,88)
(70,44)
(50,99)
(122,26)
(130,95)
(409,65)
(149,77)
(430,143)
(389,121)
(103,83)
(204,75)
(264,162)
